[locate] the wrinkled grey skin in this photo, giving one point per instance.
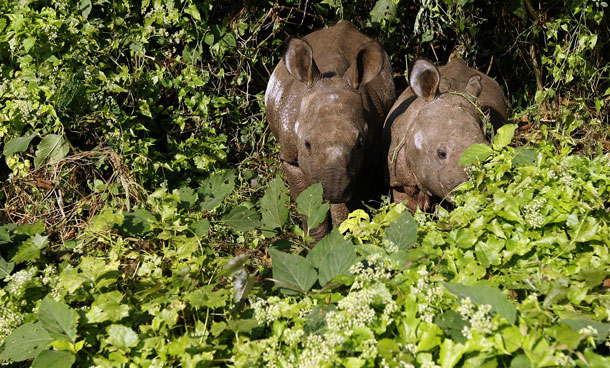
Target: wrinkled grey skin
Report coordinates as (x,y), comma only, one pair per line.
(326,102)
(429,128)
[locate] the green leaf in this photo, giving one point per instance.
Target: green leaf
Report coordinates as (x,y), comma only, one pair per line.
(58,319)
(18,144)
(52,147)
(54,359)
(5,268)
(242,285)
(337,262)
(242,219)
(207,297)
(200,227)
(292,270)
(25,342)
(236,264)
(309,203)
(214,189)
(135,222)
(121,336)
(28,43)
(85,8)
(504,136)
(274,205)
(525,156)
(603,329)
(108,307)
(483,294)
(29,250)
(317,255)
(188,198)
(475,153)
(383,10)
(402,232)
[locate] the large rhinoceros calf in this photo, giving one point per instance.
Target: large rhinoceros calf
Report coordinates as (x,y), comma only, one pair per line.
(326,103)
(432,123)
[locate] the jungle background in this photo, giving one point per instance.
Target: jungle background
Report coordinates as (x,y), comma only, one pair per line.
(137,163)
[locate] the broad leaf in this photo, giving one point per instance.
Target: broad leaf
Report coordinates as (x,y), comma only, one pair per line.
(309,203)
(18,144)
(475,153)
(29,250)
(188,197)
(121,336)
(214,189)
(317,255)
(402,232)
(483,294)
(200,227)
(25,342)
(274,205)
(236,264)
(51,147)
(135,222)
(58,319)
(54,359)
(108,307)
(242,285)
(603,329)
(337,262)
(242,219)
(525,156)
(5,268)
(292,270)
(504,136)
(383,10)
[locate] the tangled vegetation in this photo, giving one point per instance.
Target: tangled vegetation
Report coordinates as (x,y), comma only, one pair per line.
(144,220)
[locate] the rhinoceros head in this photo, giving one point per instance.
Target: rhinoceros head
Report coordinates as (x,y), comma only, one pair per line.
(445,124)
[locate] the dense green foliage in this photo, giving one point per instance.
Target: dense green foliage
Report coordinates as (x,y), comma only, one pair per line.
(142,205)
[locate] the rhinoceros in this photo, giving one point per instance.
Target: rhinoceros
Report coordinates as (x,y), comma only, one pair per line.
(326,102)
(432,123)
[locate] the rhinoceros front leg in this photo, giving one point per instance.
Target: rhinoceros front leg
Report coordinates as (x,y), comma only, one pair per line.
(298,182)
(338,213)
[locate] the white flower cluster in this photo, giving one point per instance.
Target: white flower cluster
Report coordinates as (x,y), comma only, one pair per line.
(565,177)
(369,348)
(18,281)
(292,336)
(377,268)
(402,364)
(9,320)
(432,294)
(531,212)
(267,311)
(353,310)
(480,320)
(317,351)
(588,331)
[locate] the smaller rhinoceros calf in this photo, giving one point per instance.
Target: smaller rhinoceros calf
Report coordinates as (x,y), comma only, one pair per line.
(432,123)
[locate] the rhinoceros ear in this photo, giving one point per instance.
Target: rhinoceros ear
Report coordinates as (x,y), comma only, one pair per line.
(474,85)
(367,65)
(299,61)
(424,79)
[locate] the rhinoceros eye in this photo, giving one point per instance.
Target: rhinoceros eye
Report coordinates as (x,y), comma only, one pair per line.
(307,145)
(441,154)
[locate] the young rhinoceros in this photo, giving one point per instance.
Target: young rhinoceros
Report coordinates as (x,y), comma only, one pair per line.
(431,125)
(326,102)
